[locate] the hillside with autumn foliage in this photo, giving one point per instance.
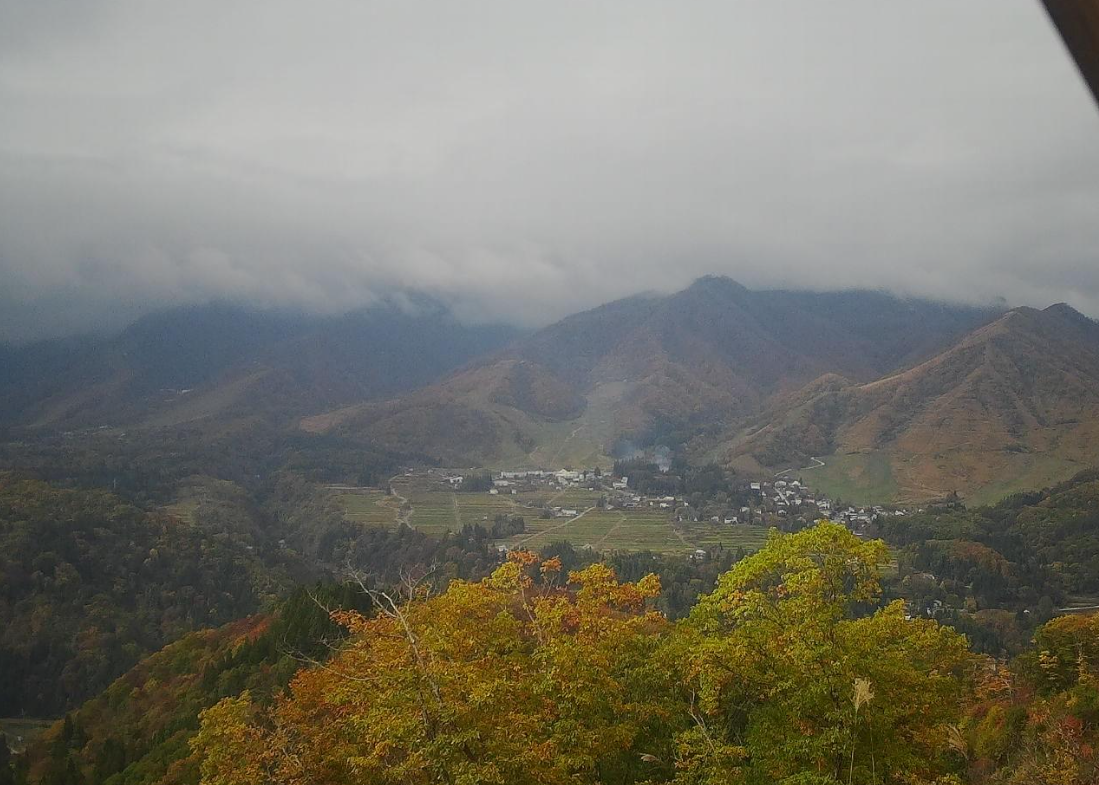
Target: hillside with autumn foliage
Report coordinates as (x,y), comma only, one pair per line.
(792,670)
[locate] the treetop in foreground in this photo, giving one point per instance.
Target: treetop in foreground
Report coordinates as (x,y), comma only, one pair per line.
(788,672)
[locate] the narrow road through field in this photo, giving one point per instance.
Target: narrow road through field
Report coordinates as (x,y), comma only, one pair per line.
(403,515)
(610,531)
(555,528)
(683,539)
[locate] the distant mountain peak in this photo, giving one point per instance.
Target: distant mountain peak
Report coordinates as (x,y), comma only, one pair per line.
(1056,320)
(1066,311)
(718,282)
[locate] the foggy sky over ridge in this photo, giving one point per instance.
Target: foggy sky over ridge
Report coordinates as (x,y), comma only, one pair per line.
(528,160)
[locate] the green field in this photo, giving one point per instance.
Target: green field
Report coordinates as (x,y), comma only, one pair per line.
(856,478)
(434,511)
(605,530)
(710,535)
(1029,471)
(433,508)
(867,478)
(439,511)
(482,508)
(371,507)
(630,530)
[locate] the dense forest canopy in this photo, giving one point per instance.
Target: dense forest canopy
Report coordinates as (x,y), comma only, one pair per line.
(757,682)
(784,672)
(90,583)
(1031,553)
(793,669)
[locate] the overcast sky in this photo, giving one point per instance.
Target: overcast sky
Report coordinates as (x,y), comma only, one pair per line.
(526,160)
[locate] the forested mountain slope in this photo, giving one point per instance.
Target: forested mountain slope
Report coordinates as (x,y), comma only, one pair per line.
(538,676)
(651,367)
(223,363)
(89,584)
(1034,545)
(1013,405)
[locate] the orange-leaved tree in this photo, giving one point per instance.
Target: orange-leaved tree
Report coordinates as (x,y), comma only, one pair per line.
(790,672)
(1038,723)
(509,680)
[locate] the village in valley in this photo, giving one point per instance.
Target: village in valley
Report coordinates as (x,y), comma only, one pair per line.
(636,507)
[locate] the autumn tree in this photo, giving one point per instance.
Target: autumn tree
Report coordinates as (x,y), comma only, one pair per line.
(513,679)
(1038,723)
(789,672)
(793,677)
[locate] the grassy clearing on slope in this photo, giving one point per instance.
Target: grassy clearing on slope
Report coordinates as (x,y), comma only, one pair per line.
(1029,472)
(183,509)
(857,478)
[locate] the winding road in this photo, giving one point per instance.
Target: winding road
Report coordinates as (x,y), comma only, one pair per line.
(817,463)
(404,515)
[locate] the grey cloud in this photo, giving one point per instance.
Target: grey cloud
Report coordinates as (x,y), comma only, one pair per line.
(525,160)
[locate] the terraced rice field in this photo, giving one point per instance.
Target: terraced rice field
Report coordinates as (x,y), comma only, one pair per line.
(606,530)
(730,537)
(482,508)
(370,507)
(434,512)
(434,509)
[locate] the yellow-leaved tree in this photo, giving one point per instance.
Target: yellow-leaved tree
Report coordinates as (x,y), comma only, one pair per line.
(792,676)
(789,672)
(504,681)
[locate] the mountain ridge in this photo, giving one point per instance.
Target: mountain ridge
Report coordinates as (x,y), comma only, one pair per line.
(667,367)
(221,361)
(1016,398)
(917,393)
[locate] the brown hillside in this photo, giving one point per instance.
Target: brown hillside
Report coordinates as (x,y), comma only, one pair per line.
(1015,402)
(697,361)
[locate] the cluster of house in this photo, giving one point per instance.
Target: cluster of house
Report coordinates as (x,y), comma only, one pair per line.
(514,481)
(768,502)
(789,497)
(786,496)
(563,478)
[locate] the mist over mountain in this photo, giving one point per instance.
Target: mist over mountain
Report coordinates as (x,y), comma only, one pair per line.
(531,394)
(526,165)
(225,361)
(912,398)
